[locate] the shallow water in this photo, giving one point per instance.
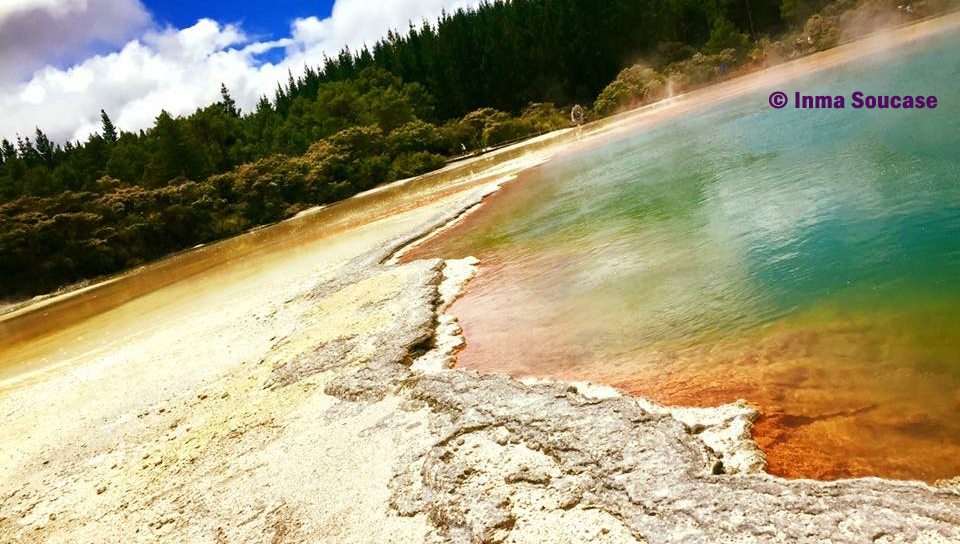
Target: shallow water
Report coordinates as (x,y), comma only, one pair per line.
(805,260)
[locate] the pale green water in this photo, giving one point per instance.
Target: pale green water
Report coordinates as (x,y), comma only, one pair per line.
(806,260)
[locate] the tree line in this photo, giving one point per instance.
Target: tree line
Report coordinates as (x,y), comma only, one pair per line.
(471,79)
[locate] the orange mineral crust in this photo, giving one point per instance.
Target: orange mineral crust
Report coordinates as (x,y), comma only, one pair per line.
(818,418)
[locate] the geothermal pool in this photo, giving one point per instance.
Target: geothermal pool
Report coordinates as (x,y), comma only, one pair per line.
(805,260)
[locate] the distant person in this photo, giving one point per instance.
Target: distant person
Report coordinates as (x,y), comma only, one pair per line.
(577,115)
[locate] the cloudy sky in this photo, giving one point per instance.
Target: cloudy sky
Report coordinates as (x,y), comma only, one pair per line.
(61,61)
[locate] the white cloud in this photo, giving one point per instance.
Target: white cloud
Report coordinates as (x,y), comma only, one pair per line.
(354,22)
(181,69)
(36,32)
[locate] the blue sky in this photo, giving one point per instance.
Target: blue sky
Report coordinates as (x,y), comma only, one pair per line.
(61,61)
(268,19)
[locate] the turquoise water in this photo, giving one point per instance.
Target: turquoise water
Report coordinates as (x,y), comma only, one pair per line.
(806,260)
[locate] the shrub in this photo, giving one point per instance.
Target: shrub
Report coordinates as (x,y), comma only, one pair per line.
(543,117)
(699,70)
(634,86)
(459,136)
(414,136)
(724,36)
(503,128)
(822,31)
(416,163)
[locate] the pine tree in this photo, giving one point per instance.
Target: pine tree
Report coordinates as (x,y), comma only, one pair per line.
(26,151)
(7,151)
(45,148)
(171,156)
(109,131)
(227,103)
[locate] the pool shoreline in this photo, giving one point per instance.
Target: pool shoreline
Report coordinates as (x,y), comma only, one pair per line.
(235,408)
(856,467)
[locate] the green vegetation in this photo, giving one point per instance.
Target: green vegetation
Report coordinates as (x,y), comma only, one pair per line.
(471,80)
(675,67)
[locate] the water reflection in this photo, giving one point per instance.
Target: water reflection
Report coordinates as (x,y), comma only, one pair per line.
(804,260)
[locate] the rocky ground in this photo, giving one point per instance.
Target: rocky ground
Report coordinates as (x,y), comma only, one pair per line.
(351,428)
(310,399)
